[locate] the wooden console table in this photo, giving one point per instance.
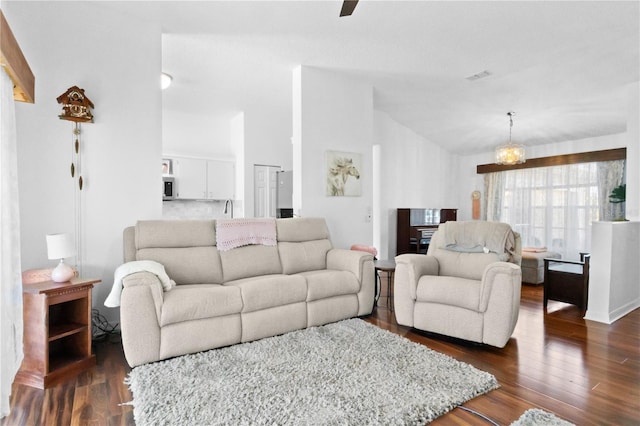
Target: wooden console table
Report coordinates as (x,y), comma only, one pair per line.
(57,331)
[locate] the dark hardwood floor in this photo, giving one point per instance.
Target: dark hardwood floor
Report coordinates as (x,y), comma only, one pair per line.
(585,372)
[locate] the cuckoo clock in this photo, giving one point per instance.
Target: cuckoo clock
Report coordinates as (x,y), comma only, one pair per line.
(75,105)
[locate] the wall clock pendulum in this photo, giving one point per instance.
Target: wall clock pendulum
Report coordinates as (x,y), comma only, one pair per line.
(475,205)
(76,107)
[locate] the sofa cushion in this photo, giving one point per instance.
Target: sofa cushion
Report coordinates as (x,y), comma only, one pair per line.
(250,261)
(188,265)
(327,283)
(463,265)
(199,301)
(175,233)
(302,229)
(453,291)
(303,256)
(269,291)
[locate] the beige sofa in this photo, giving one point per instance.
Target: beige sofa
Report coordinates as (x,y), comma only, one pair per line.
(227,297)
(467,286)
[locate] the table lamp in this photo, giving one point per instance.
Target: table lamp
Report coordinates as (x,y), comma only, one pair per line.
(60,246)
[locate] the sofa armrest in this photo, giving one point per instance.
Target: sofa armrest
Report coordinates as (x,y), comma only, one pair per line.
(349,260)
(150,280)
(500,301)
(140,308)
(361,265)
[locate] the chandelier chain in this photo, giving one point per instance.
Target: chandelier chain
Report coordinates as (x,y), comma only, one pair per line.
(510,114)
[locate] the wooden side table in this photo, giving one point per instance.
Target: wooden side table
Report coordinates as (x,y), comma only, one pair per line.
(567,281)
(388,266)
(57,331)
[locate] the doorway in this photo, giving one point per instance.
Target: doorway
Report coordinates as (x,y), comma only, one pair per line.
(265,182)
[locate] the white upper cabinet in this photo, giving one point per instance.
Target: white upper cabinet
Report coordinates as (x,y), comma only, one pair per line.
(200,179)
(220,180)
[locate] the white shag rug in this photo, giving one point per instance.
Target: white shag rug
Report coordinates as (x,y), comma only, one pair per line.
(537,417)
(346,373)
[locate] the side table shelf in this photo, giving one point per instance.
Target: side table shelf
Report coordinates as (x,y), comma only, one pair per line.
(57,331)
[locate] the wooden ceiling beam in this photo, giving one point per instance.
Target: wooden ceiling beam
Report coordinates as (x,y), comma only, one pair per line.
(14,62)
(558,160)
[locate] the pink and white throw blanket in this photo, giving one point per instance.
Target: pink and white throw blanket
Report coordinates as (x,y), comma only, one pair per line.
(232,233)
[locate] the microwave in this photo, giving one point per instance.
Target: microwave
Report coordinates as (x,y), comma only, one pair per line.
(168,188)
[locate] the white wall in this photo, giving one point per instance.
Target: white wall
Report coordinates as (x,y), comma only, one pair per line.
(117,61)
(237,146)
(336,114)
(614,290)
(633,152)
(414,173)
(196,135)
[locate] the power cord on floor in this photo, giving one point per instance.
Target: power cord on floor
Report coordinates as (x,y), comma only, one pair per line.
(102,330)
(478,414)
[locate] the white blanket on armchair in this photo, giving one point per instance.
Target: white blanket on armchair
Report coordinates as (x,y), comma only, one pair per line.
(496,237)
(113,300)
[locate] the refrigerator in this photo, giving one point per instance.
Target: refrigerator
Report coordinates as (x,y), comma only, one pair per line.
(284,194)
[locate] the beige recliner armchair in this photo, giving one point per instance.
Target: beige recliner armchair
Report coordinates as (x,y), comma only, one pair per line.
(467,286)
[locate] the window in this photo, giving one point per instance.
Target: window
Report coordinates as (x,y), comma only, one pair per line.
(552,201)
(551,207)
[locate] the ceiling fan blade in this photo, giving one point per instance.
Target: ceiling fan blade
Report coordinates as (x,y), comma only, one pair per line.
(347,7)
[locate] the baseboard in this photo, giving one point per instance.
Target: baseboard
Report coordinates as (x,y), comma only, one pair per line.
(613,316)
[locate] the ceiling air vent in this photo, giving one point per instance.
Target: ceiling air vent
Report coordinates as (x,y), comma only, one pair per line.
(478,76)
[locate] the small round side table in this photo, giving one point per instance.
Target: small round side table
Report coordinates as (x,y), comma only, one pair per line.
(388,266)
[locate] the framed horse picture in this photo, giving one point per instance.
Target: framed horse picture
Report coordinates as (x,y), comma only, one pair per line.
(343,174)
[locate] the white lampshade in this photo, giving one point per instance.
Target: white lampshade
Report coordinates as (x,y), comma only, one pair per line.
(60,246)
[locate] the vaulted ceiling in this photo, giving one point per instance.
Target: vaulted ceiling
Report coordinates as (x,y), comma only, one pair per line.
(563,67)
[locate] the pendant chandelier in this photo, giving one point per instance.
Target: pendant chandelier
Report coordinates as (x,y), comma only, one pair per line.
(510,153)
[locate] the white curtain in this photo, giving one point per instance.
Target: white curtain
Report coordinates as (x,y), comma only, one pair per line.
(494,193)
(11,353)
(550,207)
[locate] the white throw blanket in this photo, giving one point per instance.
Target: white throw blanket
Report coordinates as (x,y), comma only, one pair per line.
(113,300)
(232,233)
(491,236)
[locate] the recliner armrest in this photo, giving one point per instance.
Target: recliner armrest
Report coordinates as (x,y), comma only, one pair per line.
(413,266)
(495,273)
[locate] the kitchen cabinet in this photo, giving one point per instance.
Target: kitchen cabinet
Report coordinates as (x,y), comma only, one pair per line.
(220,180)
(201,179)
